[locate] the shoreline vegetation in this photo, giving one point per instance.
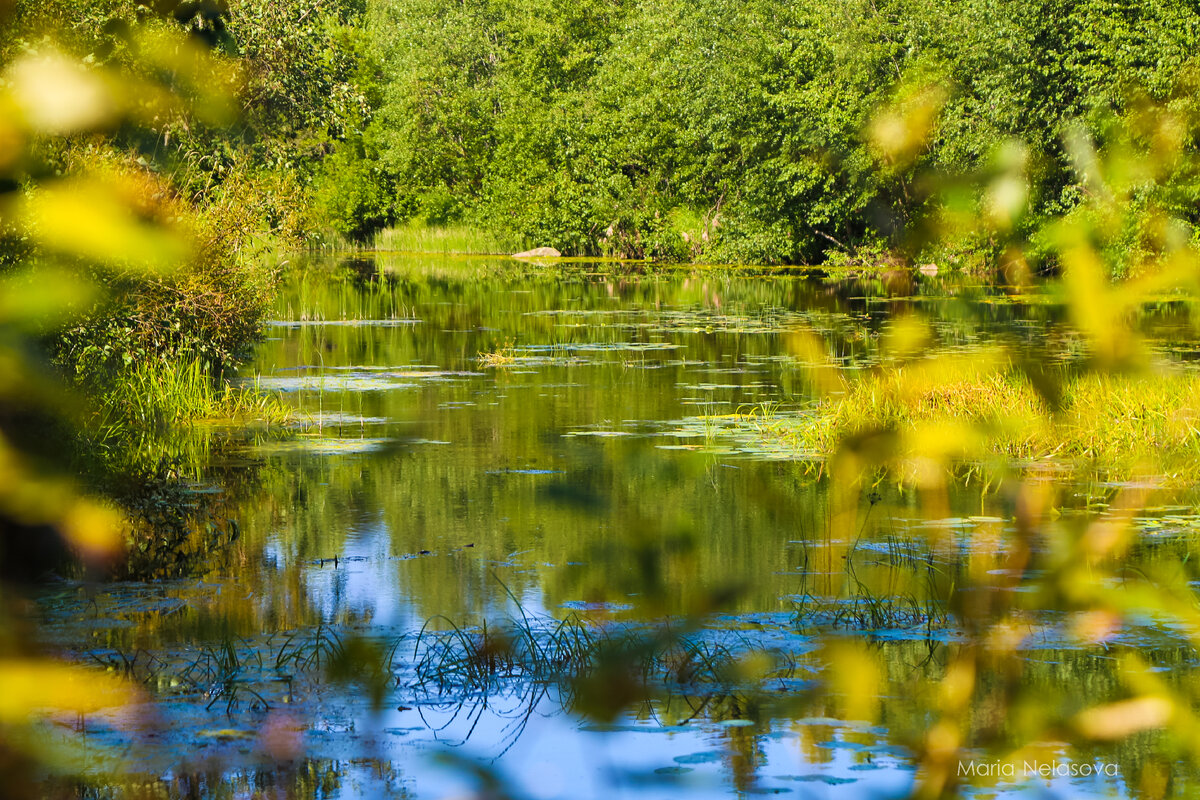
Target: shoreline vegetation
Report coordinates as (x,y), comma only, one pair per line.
(415,237)
(145,198)
(1128,426)
(773,133)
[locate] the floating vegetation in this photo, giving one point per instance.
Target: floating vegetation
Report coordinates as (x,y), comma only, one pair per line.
(353,323)
(580,605)
(336,383)
(754,432)
(333,419)
(321,445)
(572,354)
(750,319)
(500,358)
(378,381)
(603,434)
(828,780)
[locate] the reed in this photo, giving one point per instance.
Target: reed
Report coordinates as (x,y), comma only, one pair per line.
(158,395)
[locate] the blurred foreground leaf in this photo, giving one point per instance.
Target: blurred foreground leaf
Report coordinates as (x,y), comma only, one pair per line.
(31,687)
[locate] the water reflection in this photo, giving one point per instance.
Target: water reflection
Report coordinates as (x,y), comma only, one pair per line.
(476,442)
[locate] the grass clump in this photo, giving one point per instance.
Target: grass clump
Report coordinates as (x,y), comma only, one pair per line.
(158,395)
(417,237)
(967,409)
(915,598)
(505,356)
(1111,415)
(582,658)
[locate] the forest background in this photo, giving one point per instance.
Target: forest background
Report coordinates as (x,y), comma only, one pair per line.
(668,130)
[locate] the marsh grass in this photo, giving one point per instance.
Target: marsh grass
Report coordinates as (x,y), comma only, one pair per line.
(475,658)
(505,356)
(912,594)
(237,670)
(595,670)
(1121,422)
(865,611)
(577,655)
(415,237)
(158,395)
(223,667)
(226,670)
(304,651)
(140,666)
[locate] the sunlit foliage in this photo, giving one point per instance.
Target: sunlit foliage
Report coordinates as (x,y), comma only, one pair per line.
(107,267)
(748,132)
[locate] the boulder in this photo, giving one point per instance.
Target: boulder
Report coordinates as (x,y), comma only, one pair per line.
(539,252)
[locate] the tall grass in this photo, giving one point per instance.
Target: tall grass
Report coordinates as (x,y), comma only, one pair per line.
(156,395)
(416,237)
(1116,420)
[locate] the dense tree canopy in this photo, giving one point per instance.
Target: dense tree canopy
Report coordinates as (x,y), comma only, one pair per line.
(739,131)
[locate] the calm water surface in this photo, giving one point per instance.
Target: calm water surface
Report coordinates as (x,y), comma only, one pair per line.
(479,439)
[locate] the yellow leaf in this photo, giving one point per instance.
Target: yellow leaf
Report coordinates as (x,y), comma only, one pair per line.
(854,674)
(29,687)
(899,132)
(1118,720)
(95,529)
(39,296)
(12,141)
(57,95)
(89,220)
(906,336)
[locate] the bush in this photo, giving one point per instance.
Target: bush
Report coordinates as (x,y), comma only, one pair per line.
(352,194)
(210,308)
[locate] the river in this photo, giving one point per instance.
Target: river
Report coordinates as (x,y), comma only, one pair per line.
(485,441)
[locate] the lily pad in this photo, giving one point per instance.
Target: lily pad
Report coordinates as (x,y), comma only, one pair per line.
(673,770)
(707,757)
(226,734)
(831,780)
